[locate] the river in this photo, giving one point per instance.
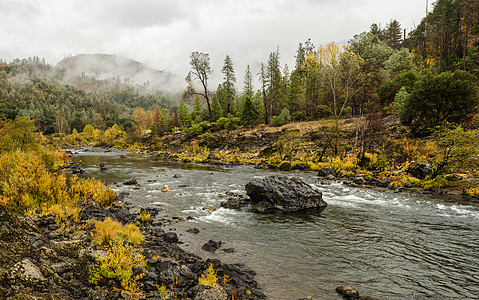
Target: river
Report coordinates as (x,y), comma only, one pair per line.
(384,244)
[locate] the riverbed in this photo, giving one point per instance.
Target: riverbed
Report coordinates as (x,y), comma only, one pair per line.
(384,244)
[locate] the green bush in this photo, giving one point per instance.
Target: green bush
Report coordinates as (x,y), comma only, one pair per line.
(282,119)
(438,98)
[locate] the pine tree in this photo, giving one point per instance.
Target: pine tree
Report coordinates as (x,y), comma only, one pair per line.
(184,115)
(250,114)
(248,88)
(229,83)
(393,34)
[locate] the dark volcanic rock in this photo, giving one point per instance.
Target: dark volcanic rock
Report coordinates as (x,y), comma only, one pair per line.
(170,237)
(300,167)
(420,171)
(283,194)
(286,166)
(384,182)
(211,246)
(235,203)
(130,182)
(326,172)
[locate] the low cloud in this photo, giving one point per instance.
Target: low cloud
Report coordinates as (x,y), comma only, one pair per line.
(163,33)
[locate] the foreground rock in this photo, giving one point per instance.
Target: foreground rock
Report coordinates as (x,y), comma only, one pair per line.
(41,261)
(283,194)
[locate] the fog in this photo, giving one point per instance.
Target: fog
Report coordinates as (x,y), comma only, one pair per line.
(163,33)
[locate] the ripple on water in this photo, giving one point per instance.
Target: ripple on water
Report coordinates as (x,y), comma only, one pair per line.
(418,247)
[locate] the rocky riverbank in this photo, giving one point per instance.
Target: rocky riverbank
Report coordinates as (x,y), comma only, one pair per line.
(41,260)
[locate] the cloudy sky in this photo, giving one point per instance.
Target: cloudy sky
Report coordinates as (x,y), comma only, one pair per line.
(163,33)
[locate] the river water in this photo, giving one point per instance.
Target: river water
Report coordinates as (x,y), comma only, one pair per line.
(384,244)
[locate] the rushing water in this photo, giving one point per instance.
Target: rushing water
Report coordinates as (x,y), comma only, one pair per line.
(387,245)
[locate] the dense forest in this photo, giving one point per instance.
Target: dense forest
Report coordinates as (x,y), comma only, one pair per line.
(427,77)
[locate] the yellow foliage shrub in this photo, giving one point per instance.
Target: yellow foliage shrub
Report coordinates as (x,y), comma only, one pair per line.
(117,264)
(108,230)
(145,216)
(401,181)
(210,279)
(26,183)
(84,190)
(348,163)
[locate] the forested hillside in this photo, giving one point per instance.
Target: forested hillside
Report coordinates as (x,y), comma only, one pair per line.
(427,77)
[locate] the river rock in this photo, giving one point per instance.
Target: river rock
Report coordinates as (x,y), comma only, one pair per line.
(384,183)
(130,182)
(300,167)
(170,237)
(193,230)
(78,171)
(283,194)
(285,166)
(211,246)
(104,167)
(326,172)
(347,292)
(235,202)
(209,207)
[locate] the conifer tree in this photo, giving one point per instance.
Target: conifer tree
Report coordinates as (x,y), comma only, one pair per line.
(248,88)
(250,114)
(229,83)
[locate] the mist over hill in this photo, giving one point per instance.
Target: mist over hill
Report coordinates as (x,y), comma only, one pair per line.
(119,69)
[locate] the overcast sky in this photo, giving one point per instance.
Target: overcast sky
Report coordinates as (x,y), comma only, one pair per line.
(163,33)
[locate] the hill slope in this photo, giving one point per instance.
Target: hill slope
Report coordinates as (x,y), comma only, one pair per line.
(120,69)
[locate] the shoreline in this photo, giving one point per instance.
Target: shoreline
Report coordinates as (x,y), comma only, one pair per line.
(446,193)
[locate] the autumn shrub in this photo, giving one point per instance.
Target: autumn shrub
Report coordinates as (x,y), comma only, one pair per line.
(27,184)
(348,163)
(17,135)
(436,183)
(377,161)
(145,216)
(210,279)
(85,190)
(117,264)
(402,180)
(109,230)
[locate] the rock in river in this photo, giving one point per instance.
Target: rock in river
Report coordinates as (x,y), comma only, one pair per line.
(283,194)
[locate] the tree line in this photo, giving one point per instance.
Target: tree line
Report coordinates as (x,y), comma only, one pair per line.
(426,76)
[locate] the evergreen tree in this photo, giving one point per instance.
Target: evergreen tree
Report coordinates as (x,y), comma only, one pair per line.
(393,34)
(229,83)
(438,98)
(184,115)
(250,114)
(216,110)
(273,82)
(196,108)
(248,88)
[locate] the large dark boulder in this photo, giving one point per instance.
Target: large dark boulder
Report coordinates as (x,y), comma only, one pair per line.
(283,194)
(420,171)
